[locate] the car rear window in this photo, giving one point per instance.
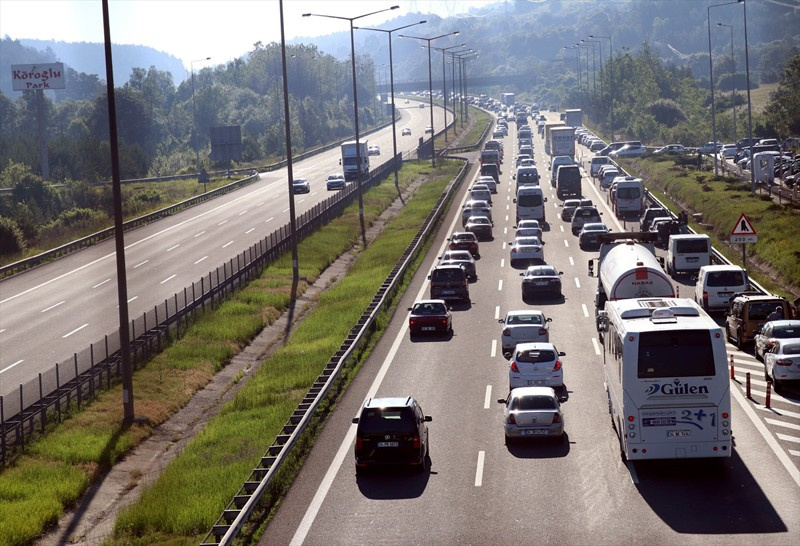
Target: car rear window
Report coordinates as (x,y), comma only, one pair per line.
(536,355)
(533,403)
(533,320)
(791,349)
(447,275)
(379,420)
(761,310)
(786,331)
(429,309)
(530,200)
(692,246)
(725,278)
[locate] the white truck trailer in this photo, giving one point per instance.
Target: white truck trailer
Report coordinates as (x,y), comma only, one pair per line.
(351,155)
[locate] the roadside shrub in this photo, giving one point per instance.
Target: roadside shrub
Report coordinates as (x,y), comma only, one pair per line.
(11,239)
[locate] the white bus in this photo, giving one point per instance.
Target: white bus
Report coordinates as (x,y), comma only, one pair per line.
(666,379)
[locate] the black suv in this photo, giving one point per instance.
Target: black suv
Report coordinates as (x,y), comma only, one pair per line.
(391,431)
(449,282)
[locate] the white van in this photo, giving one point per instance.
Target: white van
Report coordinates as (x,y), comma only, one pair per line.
(687,253)
(530,203)
(716,285)
(555,163)
(597,162)
(629,195)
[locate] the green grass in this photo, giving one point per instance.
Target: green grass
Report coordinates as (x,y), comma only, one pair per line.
(57,468)
(722,200)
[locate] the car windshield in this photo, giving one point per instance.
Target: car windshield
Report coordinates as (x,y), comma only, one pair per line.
(380,420)
(524,403)
(528,320)
(535,355)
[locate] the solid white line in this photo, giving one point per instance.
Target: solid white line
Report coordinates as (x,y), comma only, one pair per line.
(500,285)
(632,470)
(101,283)
(585,310)
(787,438)
(496,312)
(487,400)
(173,247)
(249,230)
(577,282)
(200,260)
(596,346)
(571,261)
(773,411)
(52,306)
(14,364)
(782,424)
(793,452)
(199,234)
(168,279)
(793,471)
(494,348)
(479,469)
(140,264)
(229,243)
(79,328)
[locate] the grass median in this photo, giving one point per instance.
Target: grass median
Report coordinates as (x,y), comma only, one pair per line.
(721,200)
(186,500)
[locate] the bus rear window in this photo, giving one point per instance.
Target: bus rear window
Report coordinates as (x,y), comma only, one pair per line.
(677,353)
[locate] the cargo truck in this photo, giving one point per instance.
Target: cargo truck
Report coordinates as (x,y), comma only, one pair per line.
(507,99)
(573,117)
(562,141)
(351,155)
(547,128)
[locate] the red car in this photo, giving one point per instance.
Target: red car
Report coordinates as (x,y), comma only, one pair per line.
(430,317)
(464,240)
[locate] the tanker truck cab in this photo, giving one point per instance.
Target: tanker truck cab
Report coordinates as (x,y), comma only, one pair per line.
(666,378)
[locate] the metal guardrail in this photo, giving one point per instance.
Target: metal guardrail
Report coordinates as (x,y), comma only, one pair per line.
(227,527)
(88,371)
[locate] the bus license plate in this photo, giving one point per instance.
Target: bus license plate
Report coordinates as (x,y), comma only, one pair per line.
(677,433)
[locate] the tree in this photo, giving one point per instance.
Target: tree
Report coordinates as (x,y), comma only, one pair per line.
(782,112)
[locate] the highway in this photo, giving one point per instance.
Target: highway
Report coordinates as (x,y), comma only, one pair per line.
(478,490)
(50,312)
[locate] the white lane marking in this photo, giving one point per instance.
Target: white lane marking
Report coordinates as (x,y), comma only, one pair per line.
(787,438)
(562,228)
(479,469)
(571,261)
(494,348)
(782,424)
(14,364)
(772,411)
(795,453)
(632,470)
(793,471)
(585,310)
(496,312)
(487,399)
(101,283)
(298,202)
(504,245)
(200,260)
(508,207)
(229,243)
(276,196)
(133,298)
(173,247)
(500,285)
(3,330)
(566,243)
(284,210)
(140,264)
(506,221)
(199,234)
(52,306)
(261,203)
(269,219)
(168,279)
(249,230)
(505,229)
(241,213)
(222,223)
(502,262)
(78,329)
(577,282)
(596,346)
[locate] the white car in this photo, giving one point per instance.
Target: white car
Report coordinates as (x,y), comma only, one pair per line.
(529,232)
(531,412)
(428,128)
(405,132)
(522,224)
(629,150)
(782,361)
(523,326)
(374,150)
(535,365)
(527,250)
(489,182)
(335,181)
(301,185)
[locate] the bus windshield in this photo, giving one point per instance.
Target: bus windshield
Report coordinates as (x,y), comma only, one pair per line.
(676,353)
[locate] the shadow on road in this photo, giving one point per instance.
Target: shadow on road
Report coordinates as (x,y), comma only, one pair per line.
(540,448)
(394,482)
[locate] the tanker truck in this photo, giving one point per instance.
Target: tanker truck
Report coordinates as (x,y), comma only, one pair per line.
(628,268)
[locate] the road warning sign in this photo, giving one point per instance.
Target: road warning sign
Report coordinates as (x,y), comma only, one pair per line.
(743,231)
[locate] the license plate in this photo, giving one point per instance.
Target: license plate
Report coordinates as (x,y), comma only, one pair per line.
(539,283)
(677,433)
(388,444)
(691,260)
(658,422)
(428,328)
(538,432)
(536,382)
(448,292)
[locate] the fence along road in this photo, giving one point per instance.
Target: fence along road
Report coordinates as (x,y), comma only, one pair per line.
(55,310)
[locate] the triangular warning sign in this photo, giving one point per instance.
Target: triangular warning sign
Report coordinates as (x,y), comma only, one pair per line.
(743,226)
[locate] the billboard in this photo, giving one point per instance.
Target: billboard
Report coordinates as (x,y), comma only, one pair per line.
(26,77)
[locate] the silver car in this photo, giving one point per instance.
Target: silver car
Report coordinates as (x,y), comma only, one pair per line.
(462,258)
(532,412)
(523,326)
(772,331)
(782,361)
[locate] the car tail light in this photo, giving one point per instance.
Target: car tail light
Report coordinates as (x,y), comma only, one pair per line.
(511,419)
(359,442)
(416,441)
(542,331)
(514,367)
(556,418)
(513,251)
(444,322)
(506,331)
(783,362)
(557,366)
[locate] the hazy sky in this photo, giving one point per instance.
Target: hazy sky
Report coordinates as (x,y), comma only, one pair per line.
(191,29)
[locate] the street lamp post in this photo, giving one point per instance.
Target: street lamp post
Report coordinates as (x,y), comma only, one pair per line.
(461,101)
(355,108)
(194,117)
(391,86)
(578,58)
(749,106)
(733,80)
(711,83)
(430,86)
(610,78)
(444,85)
(464,60)
(594,66)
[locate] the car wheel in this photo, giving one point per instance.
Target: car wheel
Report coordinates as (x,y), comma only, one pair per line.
(728,334)
(739,342)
